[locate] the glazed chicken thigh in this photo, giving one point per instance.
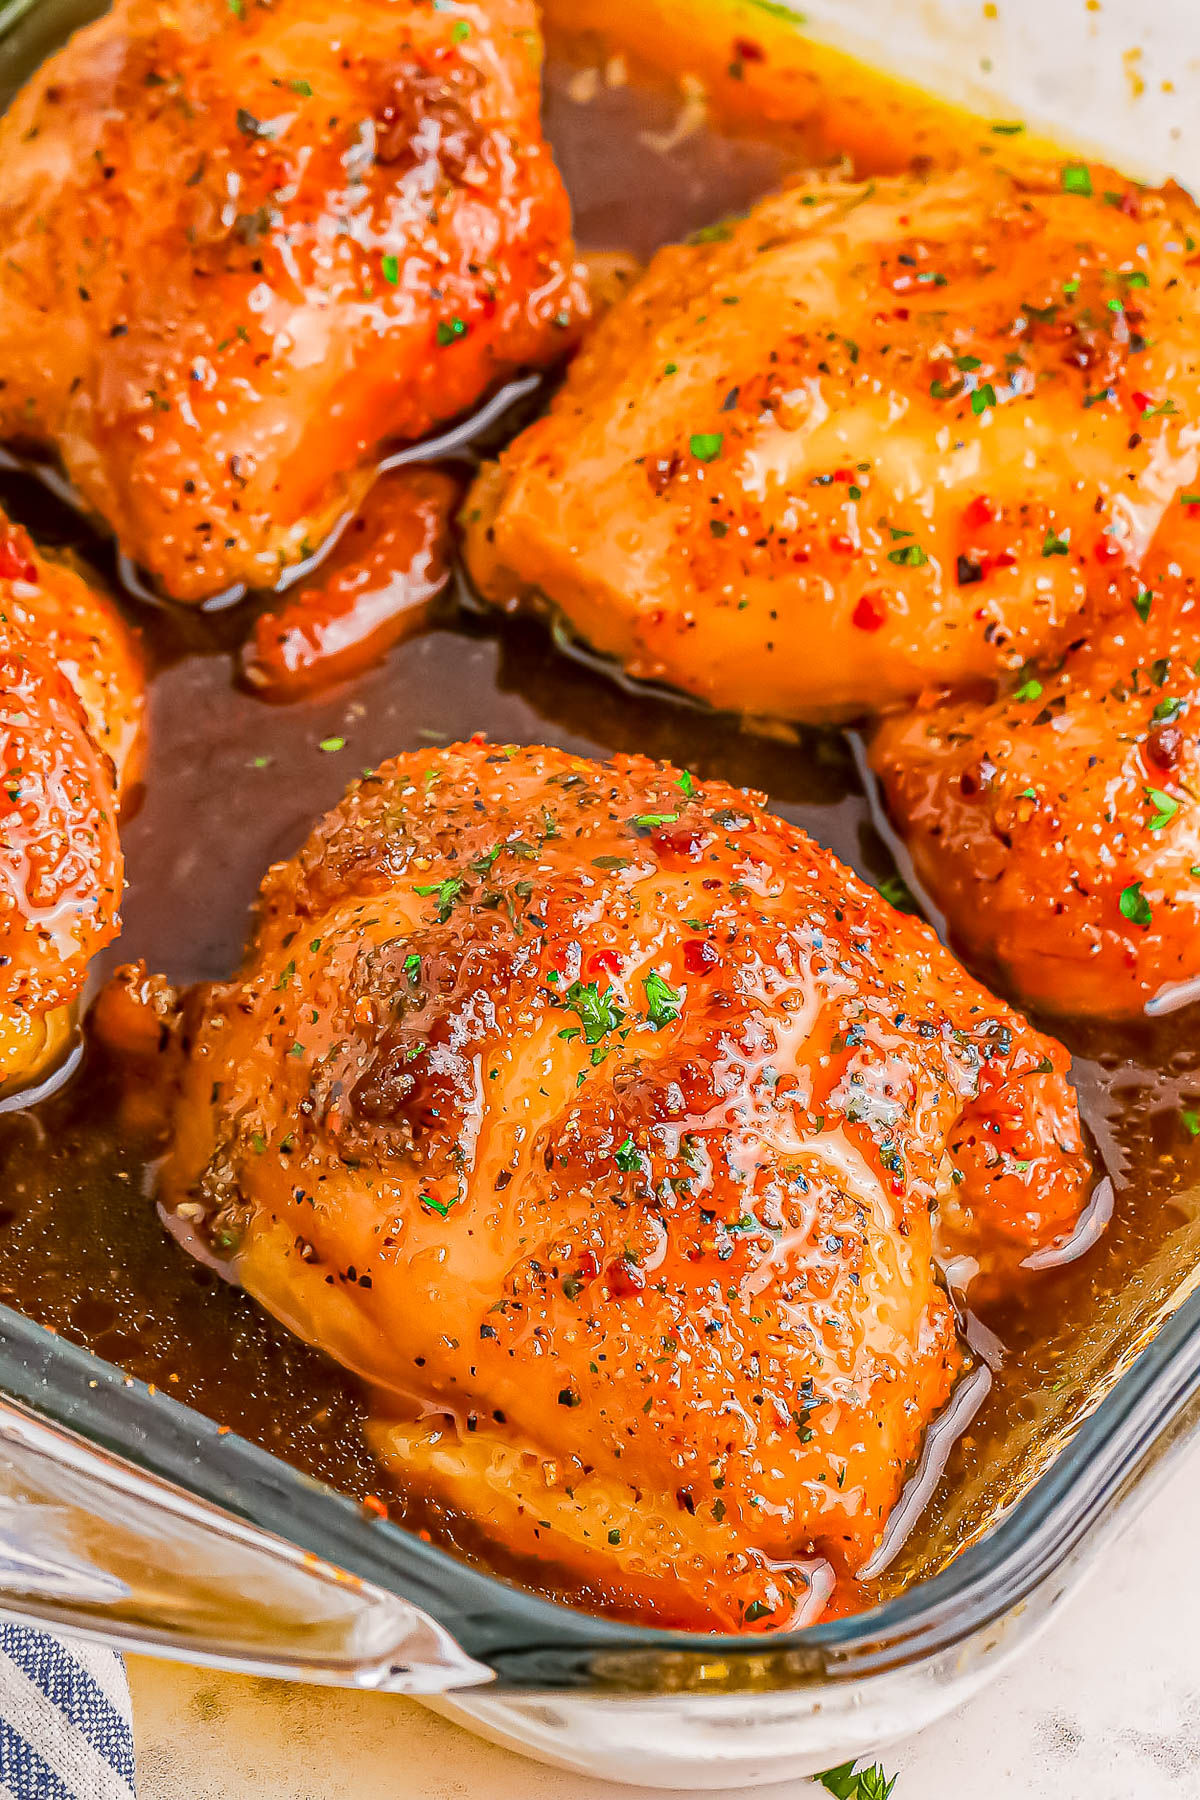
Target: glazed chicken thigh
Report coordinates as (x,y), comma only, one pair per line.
(869,440)
(603,1124)
(244,243)
(1057,826)
(70,716)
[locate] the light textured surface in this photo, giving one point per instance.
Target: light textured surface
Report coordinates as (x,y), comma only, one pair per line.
(1105,1706)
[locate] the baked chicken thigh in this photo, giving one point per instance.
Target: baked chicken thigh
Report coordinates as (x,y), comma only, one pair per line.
(246,242)
(869,440)
(605,1124)
(1058,825)
(70,715)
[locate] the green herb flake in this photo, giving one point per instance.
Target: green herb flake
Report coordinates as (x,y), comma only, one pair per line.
(1030,689)
(628,1157)
(909,556)
(461,31)
(662,1000)
(447,893)
(983,398)
(1077,179)
(449,330)
(331,745)
(598,1013)
(1134,905)
(390,266)
(705,446)
(1055,545)
(1165,808)
(868,1784)
(1142,604)
(1190,1121)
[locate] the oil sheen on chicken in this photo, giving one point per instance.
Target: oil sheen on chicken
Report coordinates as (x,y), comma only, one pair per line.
(245,243)
(597,1118)
(870,439)
(70,716)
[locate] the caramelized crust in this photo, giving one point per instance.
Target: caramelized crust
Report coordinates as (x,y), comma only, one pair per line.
(597,1118)
(870,440)
(247,242)
(70,714)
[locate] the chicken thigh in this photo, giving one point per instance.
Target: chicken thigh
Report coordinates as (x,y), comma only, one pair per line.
(1058,825)
(599,1120)
(70,715)
(244,243)
(869,440)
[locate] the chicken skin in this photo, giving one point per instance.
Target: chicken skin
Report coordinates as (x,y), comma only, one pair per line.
(871,439)
(600,1120)
(1058,826)
(244,243)
(70,716)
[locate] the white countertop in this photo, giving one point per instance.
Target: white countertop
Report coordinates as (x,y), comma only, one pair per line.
(1104,1706)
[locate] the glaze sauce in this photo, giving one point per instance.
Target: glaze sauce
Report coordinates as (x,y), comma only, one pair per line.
(233,784)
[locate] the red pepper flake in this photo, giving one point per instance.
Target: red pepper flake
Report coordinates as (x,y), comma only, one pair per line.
(681,840)
(982,510)
(608,960)
(1108,550)
(373,1504)
(625,1278)
(870,613)
(844,545)
(746,50)
(15,565)
(1142,402)
(699,956)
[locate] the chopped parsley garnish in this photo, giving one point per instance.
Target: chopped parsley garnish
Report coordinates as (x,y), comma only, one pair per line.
(390,265)
(286,977)
(412,965)
(449,330)
(1167,710)
(649,821)
(598,1012)
(868,1784)
(1030,689)
(1166,808)
(983,398)
(461,31)
(687,782)
(662,1000)
(896,891)
(1053,544)
(1077,179)
(331,745)
(1134,905)
(908,556)
(705,446)
(442,1207)
(628,1157)
(1191,1121)
(447,893)
(1142,603)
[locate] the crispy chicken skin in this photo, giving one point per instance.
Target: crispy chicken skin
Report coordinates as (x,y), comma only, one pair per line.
(869,440)
(1058,826)
(70,715)
(597,1118)
(245,243)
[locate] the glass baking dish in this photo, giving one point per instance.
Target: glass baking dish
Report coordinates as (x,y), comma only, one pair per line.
(131,1518)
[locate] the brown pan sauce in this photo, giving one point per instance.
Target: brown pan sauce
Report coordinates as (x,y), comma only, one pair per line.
(233,784)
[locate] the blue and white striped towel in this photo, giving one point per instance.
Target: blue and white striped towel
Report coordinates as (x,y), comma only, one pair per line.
(65,1728)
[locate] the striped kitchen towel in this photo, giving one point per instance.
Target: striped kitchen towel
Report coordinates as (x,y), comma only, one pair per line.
(65,1729)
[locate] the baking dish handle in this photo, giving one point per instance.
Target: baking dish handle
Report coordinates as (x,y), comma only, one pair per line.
(92,1546)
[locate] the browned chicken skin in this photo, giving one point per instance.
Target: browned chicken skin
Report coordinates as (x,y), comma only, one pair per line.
(870,440)
(70,717)
(244,243)
(598,1119)
(1058,826)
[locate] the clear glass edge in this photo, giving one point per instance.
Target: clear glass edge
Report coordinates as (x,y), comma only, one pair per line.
(532,1642)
